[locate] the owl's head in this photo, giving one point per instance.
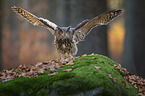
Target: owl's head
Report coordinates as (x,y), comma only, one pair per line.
(64,32)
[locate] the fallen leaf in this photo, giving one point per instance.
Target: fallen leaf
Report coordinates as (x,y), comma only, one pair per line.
(110,76)
(88,59)
(97,67)
(136,81)
(9,76)
(135,86)
(125,83)
(80,57)
(114,65)
(85,55)
(72,63)
(51,74)
(141,94)
(52,69)
(46,62)
(91,54)
(41,70)
(118,67)
(114,79)
(140,90)
(60,64)
(0,79)
(94,57)
(23,74)
(67,70)
(127,86)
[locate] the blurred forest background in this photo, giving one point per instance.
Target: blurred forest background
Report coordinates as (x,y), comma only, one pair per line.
(123,40)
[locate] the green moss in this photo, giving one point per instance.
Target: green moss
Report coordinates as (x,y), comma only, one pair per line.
(83,78)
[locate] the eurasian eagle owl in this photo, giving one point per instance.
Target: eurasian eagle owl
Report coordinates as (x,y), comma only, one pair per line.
(66,38)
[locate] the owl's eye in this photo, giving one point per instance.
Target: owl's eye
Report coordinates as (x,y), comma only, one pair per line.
(61,32)
(66,31)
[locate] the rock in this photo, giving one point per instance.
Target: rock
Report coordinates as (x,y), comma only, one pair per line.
(92,75)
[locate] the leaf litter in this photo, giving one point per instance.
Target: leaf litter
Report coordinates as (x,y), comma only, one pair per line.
(36,70)
(31,71)
(137,81)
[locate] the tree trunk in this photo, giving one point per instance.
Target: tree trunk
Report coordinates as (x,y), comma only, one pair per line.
(1,16)
(14,39)
(134,50)
(10,40)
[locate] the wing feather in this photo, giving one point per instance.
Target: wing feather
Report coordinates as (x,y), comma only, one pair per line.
(35,20)
(103,19)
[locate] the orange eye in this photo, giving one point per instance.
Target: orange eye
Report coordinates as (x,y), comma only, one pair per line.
(66,31)
(61,32)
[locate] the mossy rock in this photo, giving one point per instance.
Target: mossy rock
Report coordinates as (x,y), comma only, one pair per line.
(83,80)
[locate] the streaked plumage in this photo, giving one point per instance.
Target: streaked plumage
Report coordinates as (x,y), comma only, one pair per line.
(66,38)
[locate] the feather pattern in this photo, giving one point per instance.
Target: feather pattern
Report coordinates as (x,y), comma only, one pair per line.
(88,25)
(34,19)
(66,38)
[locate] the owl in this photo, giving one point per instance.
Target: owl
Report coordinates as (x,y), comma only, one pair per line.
(67,38)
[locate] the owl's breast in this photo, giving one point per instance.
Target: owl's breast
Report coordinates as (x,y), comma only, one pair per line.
(64,45)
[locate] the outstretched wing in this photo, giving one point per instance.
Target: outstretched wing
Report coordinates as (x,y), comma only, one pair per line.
(34,19)
(82,29)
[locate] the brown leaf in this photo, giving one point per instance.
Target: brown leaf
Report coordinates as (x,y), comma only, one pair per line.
(41,70)
(3,77)
(91,54)
(85,55)
(114,79)
(127,86)
(97,67)
(140,94)
(123,82)
(118,67)
(94,57)
(9,76)
(88,59)
(80,57)
(23,74)
(20,66)
(71,63)
(60,64)
(46,62)
(115,65)
(51,74)
(52,68)
(140,90)
(0,79)
(135,86)
(67,70)
(110,76)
